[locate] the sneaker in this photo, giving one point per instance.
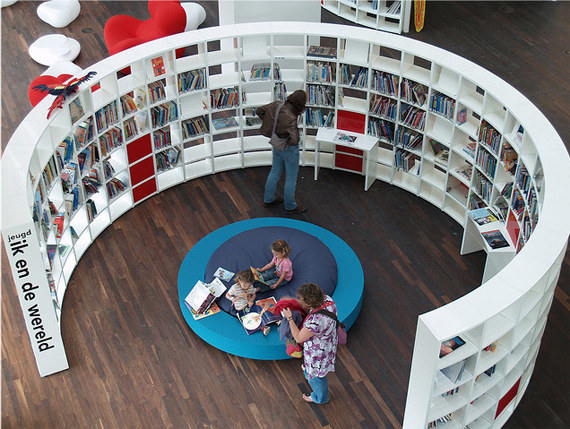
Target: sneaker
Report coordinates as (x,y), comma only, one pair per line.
(297,210)
(266,330)
(273,203)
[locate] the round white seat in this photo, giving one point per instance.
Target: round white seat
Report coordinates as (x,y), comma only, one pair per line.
(195,15)
(63,67)
(4,3)
(53,48)
(59,13)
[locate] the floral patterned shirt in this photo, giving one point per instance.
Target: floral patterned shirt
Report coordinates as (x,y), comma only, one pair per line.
(319,351)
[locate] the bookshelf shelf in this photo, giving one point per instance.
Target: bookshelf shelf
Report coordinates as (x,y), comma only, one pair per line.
(182,143)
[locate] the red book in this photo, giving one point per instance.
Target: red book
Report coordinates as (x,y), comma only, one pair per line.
(158,66)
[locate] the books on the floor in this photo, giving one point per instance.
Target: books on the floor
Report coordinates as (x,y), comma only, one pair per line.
(210,311)
(259,315)
(450,345)
(495,239)
(482,216)
(223,274)
(203,294)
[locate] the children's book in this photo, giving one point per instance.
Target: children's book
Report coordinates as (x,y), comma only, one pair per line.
(257,275)
(210,311)
(158,66)
(450,345)
(495,239)
(259,315)
(224,274)
(482,216)
(203,295)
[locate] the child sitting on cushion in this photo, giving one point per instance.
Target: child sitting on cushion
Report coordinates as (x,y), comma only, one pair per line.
(242,293)
(283,271)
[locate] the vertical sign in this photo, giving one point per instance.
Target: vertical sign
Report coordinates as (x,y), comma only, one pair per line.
(35,298)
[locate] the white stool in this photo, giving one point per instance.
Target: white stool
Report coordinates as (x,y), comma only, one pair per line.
(63,67)
(59,13)
(195,15)
(53,48)
(5,3)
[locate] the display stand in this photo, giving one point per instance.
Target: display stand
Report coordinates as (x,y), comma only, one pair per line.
(358,155)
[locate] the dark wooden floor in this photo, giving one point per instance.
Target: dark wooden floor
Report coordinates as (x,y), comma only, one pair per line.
(133,360)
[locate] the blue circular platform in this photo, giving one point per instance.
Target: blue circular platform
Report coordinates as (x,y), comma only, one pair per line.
(224,331)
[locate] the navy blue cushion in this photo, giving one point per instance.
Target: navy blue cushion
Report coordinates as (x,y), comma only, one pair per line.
(312,260)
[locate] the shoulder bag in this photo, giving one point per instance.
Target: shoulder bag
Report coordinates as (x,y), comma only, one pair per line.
(340,327)
(276,141)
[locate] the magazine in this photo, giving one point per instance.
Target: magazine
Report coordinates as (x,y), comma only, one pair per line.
(482,216)
(344,138)
(224,274)
(259,315)
(455,371)
(450,345)
(495,239)
(203,294)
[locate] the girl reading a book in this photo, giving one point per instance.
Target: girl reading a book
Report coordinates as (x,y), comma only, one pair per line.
(283,267)
(242,293)
(319,338)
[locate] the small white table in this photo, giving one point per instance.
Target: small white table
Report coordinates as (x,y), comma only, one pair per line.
(351,143)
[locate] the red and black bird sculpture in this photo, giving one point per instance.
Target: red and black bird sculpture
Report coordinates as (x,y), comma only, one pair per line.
(62,91)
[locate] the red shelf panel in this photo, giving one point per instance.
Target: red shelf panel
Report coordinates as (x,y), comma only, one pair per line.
(509,396)
(139,148)
(348,162)
(351,121)
(142,170)
(144,190)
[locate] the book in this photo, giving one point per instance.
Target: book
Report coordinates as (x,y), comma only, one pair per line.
(495,239)
(259,315)
(450,345)
(462,116)
(469,149)
(257,276)
(482,216)
(321,51)
(140,98)
(203,295)
(58,224)
(223,274)
(455,371)
(210,311)
(158,66)
(344,138)
(221,123)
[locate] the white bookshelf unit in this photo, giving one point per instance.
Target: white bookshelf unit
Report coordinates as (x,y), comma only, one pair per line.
(90,164)
(386,15)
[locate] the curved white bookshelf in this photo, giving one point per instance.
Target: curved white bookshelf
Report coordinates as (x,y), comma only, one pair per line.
(509,310)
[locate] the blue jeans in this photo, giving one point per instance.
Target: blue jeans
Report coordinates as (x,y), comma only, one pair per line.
(287,160)
(270,277)
(320,386)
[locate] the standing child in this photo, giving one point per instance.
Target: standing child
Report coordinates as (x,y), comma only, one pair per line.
(242,293)
(283,271)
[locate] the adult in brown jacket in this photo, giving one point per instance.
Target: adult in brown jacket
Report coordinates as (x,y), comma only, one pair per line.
(287,159)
